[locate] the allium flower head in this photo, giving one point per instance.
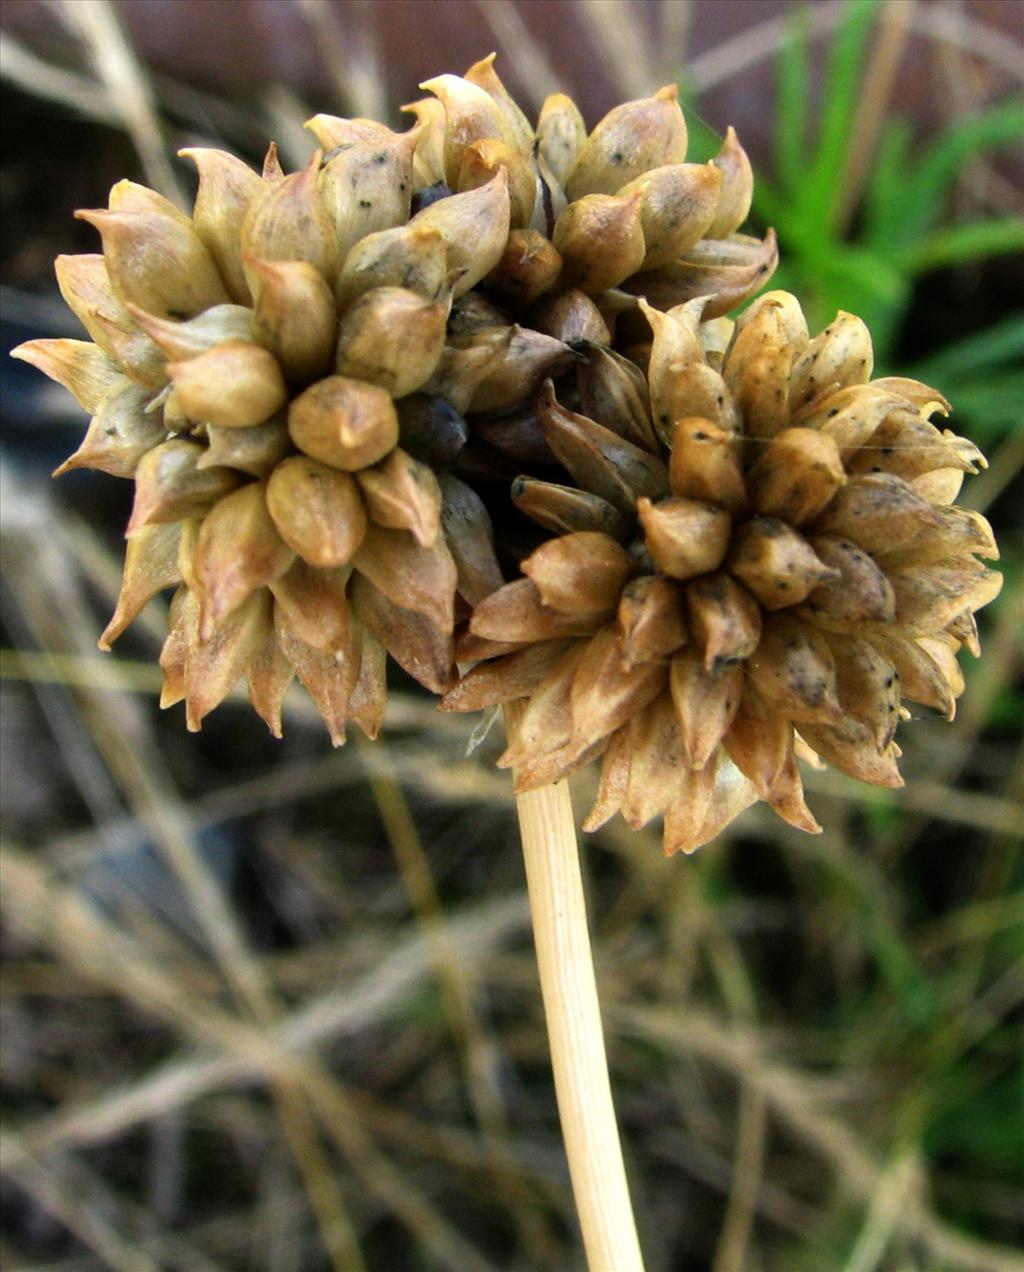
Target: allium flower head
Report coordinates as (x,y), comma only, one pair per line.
(756,560)
(287,373)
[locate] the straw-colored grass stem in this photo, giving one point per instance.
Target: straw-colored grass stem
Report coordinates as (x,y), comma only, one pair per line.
(573,1015)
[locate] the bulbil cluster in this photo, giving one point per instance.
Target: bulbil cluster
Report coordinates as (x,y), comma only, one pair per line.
(287,374)
(731,548)
(758,560)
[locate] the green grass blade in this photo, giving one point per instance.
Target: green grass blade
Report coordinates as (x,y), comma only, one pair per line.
(969,241)
(882,208)
(1002,343)
(792,81)
(924,190)
(991,404)
(844,72)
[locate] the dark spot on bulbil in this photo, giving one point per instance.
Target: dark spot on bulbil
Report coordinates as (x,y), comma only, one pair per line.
(382,157)
(432,194)
(365,203)
(618,156)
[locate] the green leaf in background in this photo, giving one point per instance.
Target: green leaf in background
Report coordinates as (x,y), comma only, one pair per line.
(792,89)
(983,375)
(983,351)
(969,241)
(821,185)
(900,231)
(924,186)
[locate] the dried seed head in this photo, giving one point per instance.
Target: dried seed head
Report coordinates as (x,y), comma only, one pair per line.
(345,423)
(157,261)
(796,574)
(471,115)
(571,316)
(120,434)
(601,240)
(474,227)
(579,573)
(169,485)
(484,159)
(529,267)
(290,221)
(685,537)
(629,141)
(737,188)
(294,316)
(85,285)
(410,256)
(227,189)
(775,563)
(403,494)
(484,75)
(235,384)
(752,550)
(366,186)
(317,510)
(182,340)
(678,206)
(393,338)
(238,551)
(84,369)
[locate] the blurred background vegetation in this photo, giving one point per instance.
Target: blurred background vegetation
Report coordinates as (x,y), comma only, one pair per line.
(268,1006)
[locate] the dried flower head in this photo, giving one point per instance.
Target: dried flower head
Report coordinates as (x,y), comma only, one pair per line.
(285,373)
(756,559)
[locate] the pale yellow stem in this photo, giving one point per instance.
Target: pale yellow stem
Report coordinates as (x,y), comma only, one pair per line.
(575,1037)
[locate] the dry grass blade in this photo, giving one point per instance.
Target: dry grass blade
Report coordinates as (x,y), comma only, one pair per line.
(938,23)
(45,912)
(894,1183)
(477,1052)
(350,54)
(44,79)
(80,1199)
(124,739)
(879,81)
(336,1015)
(791,1097)
(618,36)
(748,1166)
(673,37)
(86,1221)
(127,86)
(525,54)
